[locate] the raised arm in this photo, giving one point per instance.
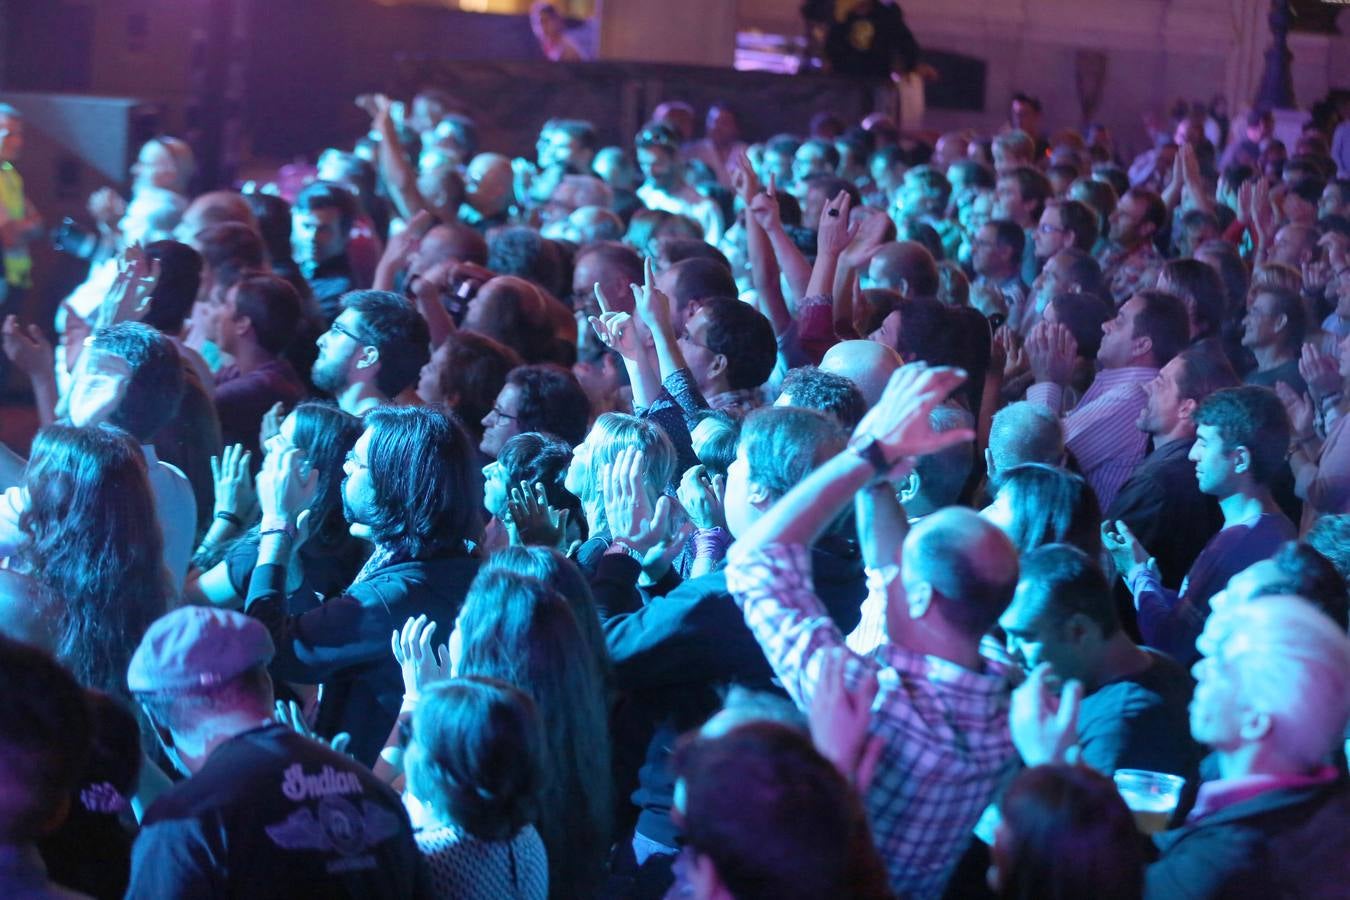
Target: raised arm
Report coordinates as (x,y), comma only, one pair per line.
(894,431)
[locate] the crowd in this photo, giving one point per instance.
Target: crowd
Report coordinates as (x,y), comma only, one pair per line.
(823,516)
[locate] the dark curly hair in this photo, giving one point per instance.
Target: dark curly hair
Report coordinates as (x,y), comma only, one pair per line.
(398,331)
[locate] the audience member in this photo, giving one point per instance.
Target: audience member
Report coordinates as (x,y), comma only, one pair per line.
(1241,437)
(201,676)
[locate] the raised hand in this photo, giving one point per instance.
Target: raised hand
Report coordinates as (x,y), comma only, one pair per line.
(27,348)
(702,497)
(1125,550)
(1044,724)
(1321,371)
(870,234)
(744,181)
(1316,276)
(1299,408)
(763,208)
(530,520)
(1051,352)
(840,719)
(632,516)
(128,300)
(620,332)
(293,717)
(899,421)
(271,424)
(235,493)
(421,663)
(652,306)
(835,233)
(287,486)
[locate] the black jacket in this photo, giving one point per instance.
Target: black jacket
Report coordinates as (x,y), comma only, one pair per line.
(344,642)
(273,814)
(674,657)
(1289,842)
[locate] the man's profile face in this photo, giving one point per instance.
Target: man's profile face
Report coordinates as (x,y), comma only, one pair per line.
(1050,235)
(1262,324)
(317,235)
(358,494)
(1214,463)
(1053,281)
(736,502)
(1008,203)
(1162,408)
(339,347)
(986,255)
(1033,638)
(502,422)
(1127,221)
(1216,705)
(1117,347)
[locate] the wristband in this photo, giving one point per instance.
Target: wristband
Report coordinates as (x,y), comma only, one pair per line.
(277,526)
(620,546)
(711,543)
(231,518)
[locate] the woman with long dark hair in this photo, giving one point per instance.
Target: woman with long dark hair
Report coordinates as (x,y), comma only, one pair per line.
(523,632)
(331,557)
(92,546)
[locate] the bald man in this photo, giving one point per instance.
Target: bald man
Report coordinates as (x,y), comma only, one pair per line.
(942,710)
(903,266)
(867,364)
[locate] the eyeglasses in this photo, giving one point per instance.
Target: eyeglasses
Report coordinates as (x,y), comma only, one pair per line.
(351,463)
(346,332)
(496,411)
(1047,228)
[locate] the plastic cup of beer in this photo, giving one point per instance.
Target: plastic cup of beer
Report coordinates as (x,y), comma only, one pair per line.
(1151,796)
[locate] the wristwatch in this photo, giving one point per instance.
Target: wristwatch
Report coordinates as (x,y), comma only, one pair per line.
(871,450)
(619,545)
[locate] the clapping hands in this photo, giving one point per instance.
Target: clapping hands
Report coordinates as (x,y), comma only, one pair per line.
(421,663)
(1051,351)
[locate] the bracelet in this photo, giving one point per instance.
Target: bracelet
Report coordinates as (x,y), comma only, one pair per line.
(620,546)
(711,542)
(288,531)
(231,518)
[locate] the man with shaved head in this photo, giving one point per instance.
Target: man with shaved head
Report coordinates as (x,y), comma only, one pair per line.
(867,364)
(941,713)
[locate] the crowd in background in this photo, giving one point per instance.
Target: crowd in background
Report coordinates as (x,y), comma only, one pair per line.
(819,515)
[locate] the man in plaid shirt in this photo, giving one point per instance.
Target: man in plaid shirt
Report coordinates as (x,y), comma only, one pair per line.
(942,710)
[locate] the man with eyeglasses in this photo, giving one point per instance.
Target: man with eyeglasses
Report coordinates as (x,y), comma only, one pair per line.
(372,353)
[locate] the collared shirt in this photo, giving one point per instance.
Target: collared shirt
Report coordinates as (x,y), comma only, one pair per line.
(1100,431)
(1126,272)
(944,728)
(1224,792)
(738,402)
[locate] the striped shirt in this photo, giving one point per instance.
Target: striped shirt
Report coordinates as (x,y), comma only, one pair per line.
(1101,431)
(947,748)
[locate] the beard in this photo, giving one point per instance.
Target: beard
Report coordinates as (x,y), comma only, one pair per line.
(328,376)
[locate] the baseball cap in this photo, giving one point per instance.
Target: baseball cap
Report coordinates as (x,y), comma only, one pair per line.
(196,647)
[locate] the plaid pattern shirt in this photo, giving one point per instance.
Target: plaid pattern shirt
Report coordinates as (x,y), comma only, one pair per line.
(945,728)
